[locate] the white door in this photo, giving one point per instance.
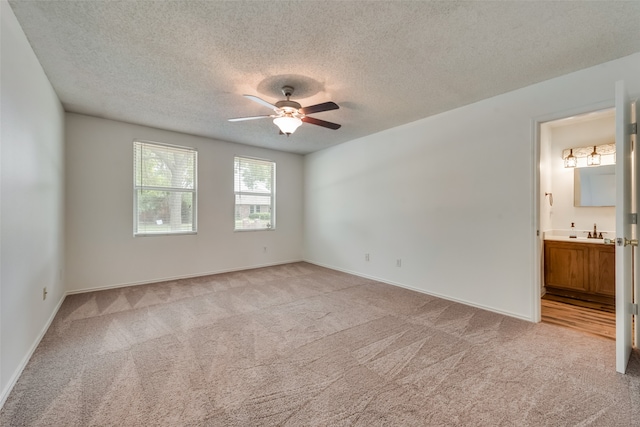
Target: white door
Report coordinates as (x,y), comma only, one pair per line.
(636,262)
(624,260)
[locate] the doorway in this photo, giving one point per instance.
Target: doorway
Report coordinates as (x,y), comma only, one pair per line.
(577,219)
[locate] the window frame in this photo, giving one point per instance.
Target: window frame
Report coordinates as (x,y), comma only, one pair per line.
(194,191)
(272,194)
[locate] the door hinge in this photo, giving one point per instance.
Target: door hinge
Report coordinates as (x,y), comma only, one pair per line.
(538,233)
(634,309)
(633,218)
(633,128)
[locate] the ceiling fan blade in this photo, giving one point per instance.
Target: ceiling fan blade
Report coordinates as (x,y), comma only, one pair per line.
(325,106)
(261,101)
(322,123)
(241,119)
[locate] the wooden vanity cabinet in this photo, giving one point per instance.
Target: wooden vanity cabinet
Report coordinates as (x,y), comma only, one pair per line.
(580,270)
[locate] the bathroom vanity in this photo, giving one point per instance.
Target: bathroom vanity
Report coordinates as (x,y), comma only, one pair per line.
(580,268)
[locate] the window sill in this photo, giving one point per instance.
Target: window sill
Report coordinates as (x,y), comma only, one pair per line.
(181,233)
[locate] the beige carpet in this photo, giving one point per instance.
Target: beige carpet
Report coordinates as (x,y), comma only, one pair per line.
(300,345)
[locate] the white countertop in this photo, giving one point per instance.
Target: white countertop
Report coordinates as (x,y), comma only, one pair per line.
(578,239)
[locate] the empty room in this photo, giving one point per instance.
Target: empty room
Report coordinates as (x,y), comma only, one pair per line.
(295,213)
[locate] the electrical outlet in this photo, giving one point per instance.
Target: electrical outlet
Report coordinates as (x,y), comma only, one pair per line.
(366,257)
(44,293)
(398,263)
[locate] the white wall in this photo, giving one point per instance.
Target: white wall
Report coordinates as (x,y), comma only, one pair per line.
(563,213)
(100,248)
(451,195)
(31,197)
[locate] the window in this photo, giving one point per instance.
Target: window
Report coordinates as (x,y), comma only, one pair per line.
(164,189)
(254,184)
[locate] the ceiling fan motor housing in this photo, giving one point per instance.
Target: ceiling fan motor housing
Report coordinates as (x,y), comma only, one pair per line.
(288,106)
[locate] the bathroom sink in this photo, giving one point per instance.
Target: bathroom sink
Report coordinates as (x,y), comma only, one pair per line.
(578,239)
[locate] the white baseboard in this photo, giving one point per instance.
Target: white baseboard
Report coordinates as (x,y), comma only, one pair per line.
(167,279)
(16,375)
(422,291)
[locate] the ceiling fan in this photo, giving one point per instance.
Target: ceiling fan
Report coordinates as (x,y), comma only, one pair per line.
(289,115)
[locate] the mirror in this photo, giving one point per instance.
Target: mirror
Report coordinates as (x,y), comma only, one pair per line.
(595,186)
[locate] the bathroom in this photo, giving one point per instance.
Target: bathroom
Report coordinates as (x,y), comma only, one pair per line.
(577,274)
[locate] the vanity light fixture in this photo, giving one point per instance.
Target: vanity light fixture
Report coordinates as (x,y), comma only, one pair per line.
(591,155)
(593,159)
(570,161)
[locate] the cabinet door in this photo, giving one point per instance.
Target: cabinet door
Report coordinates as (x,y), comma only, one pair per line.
(566,266)
(603,270)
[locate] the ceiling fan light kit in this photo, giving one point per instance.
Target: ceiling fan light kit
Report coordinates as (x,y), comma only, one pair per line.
(289,115)
(287,124)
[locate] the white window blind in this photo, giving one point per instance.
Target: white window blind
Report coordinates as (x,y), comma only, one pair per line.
(254,184)
(164,189)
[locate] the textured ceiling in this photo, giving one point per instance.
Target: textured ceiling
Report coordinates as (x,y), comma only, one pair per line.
(184,65)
